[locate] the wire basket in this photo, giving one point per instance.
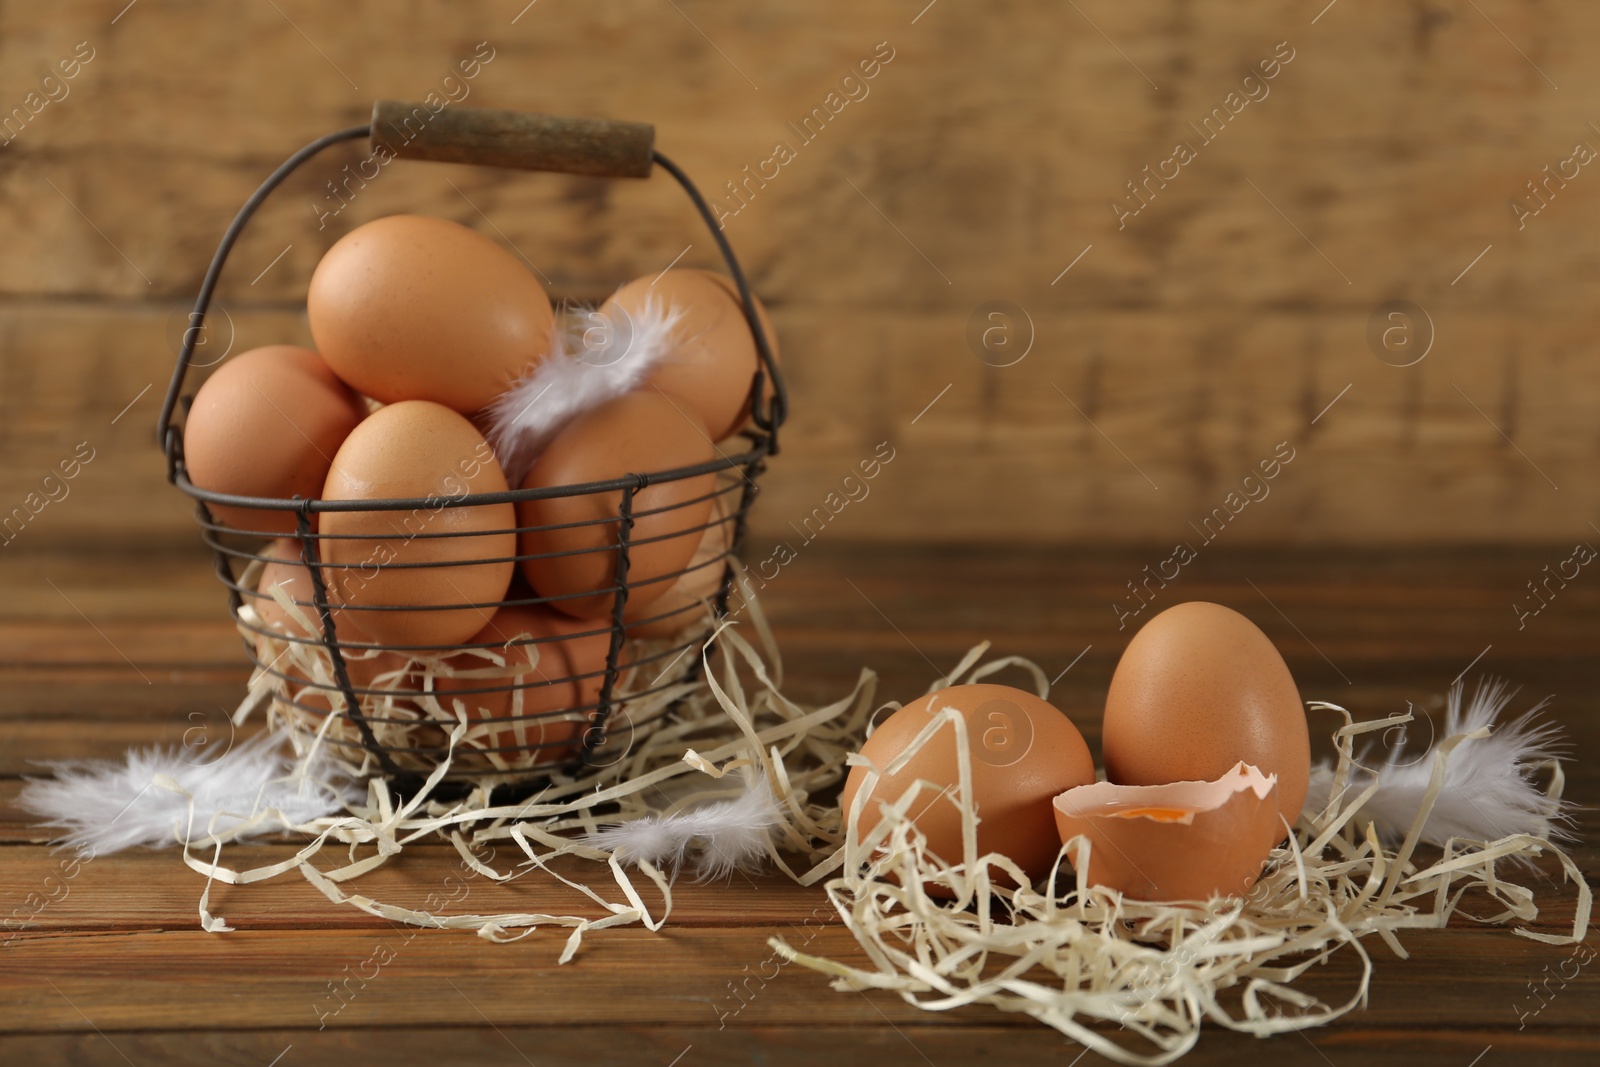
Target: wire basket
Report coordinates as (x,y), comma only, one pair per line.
(549,699)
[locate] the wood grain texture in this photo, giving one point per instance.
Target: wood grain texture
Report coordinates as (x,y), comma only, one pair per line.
(285,975)
(610,1044)
(129,974)
(975,165)
(1172,351)
(96,898)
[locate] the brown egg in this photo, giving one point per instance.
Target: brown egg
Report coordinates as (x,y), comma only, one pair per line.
(561,674)
(267,423)
(455,559)
(1198,689)
(1025,753)
(637,433)
(366,668)
(415,308)
(683,604)
(766,327)
(714,363)
(1182,841)
(286,571)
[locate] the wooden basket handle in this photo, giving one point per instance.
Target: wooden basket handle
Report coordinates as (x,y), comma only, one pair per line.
(527,141)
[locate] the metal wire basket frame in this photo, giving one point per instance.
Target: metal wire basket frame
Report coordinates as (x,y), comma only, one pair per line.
(734,479)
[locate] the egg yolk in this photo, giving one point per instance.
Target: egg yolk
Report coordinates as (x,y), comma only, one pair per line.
(1158,814)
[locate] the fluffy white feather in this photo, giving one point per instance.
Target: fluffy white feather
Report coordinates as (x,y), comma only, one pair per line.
(593,359)
(724,835)
(107,806)
(1488,792)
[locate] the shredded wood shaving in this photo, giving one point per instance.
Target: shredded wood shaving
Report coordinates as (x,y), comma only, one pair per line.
(691,743)
(296,679)
(1132,980)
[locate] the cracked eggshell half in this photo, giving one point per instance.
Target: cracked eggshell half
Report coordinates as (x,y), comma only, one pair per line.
(1181,841)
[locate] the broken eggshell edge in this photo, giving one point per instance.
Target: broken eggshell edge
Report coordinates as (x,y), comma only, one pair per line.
(1180,841)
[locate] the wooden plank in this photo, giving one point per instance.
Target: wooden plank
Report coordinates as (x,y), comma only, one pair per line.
(18,827)
(171,583)
(1044,597)
(171,647)
(90,691)
(58,893)
(605,1042)
(972,193)
(1401,624)
(281,979)
(1205,331)
(1400,628)
(1126,425)
(47,892)
(30,744)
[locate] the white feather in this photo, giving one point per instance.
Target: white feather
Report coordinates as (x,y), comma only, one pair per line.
(725,834)
(107,806)
(1488,792)
(593,359)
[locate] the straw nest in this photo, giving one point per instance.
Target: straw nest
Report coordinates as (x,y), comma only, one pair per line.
(414,720)
(1135,981)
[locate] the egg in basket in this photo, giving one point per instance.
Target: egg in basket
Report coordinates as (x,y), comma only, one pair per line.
(467,523)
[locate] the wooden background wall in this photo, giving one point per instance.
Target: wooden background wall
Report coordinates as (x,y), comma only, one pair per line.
(1174,355)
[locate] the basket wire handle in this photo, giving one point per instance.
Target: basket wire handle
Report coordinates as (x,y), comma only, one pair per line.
(774,416)
(599,147)
(167,435)
(494,138)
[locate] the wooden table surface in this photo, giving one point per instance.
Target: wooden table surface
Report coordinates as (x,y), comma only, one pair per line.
(99,654)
